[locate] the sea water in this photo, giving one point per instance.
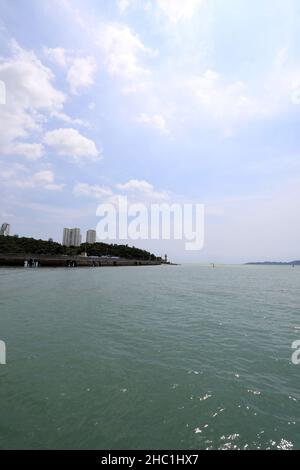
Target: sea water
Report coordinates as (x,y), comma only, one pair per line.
(165,357)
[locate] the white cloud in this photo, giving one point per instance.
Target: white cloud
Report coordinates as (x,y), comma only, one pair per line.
(123,51)
(30,97)
(179,77)
(45,176)
(231,104)
(81,73)
(30,151)
(46,179)
(155,121)
(225,104)
(142,190)
(135,190)
(123,5)
(179,10)
(69,142)
(54,187)
(80,70)
(140,185)
(28,81)
(58,55)
(68,119)
(19,176)
(9,171)
(93,191)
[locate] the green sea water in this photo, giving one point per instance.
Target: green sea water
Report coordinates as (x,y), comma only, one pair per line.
(185,357)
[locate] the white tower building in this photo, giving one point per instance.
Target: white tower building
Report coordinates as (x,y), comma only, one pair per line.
(71,237)
(91,236)
(5,230)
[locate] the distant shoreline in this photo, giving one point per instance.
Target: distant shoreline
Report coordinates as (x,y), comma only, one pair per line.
(274,263)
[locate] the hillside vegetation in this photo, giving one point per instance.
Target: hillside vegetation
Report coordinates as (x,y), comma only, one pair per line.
(16,245)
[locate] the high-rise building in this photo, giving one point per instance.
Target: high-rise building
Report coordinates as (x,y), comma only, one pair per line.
(71,237)
(91,236)
(5,230)
(66,237)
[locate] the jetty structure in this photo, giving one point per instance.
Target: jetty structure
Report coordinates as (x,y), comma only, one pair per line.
(65,261)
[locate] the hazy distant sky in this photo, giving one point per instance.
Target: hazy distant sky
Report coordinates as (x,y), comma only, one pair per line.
(163,100)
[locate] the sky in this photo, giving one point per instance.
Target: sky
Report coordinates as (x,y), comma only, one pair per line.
(194,101)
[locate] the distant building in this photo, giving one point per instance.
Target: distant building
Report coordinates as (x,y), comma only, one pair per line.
(91,236)
(5,230)
(66,237)
(72,237)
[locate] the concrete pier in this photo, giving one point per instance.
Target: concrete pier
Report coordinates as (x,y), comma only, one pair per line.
(42,261)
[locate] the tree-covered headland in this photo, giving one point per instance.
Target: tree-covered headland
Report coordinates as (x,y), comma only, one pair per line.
(22,245)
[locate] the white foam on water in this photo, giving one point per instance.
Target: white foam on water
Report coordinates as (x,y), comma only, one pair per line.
(217,413)
(254,392)
(206,397)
